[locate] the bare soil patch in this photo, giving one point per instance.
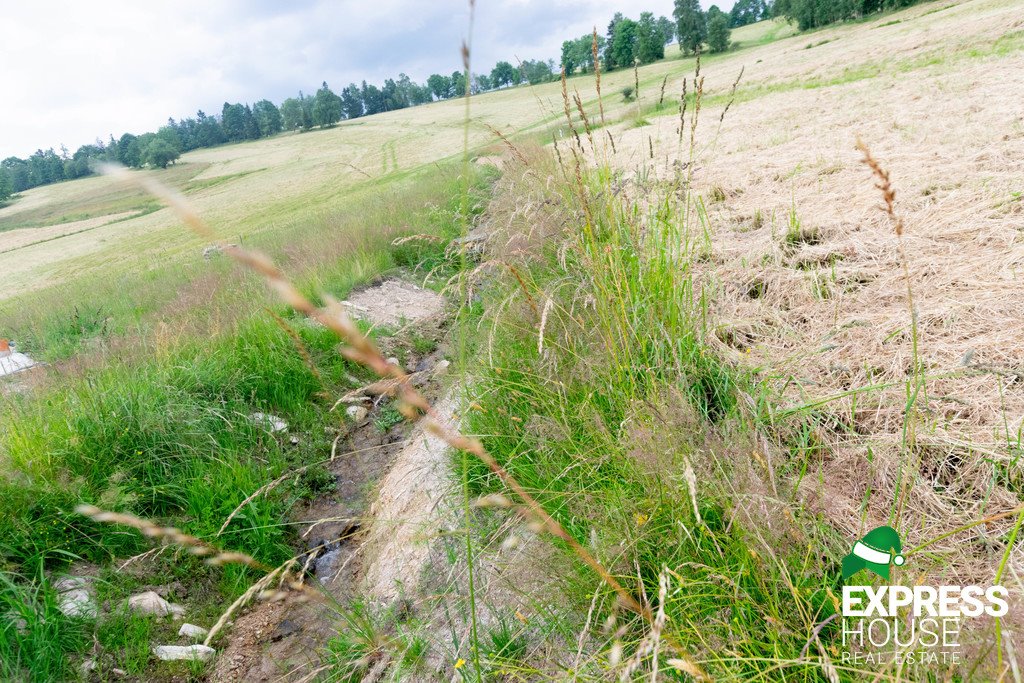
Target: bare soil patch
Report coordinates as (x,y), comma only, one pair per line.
(395,303)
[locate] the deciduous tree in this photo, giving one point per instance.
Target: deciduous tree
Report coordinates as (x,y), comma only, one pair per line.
(268,118)
(439,86)
(624,43)
(668,29)
(6,184)
(159,153)
(650,42)
(691,25)
(503,74)
(291,114)
(128,152)
(326,107)
(718,30)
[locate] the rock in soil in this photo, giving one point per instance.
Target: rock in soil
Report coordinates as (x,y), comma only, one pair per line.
(327,564)
(192,631)
(200,653)
(357,413)
(74,597)
(152,604)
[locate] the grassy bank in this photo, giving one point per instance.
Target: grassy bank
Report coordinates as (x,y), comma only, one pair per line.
(156,420)
(598,391)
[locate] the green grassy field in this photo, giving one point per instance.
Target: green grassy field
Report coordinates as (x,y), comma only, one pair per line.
(591,361)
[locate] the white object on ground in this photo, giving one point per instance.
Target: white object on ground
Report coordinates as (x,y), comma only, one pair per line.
(15,362)
(192,631)
(200,653)
(357,413)
(74,597)
(151,603)
(272,422)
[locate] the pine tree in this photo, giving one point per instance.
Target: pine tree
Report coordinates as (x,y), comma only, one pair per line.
(351,101)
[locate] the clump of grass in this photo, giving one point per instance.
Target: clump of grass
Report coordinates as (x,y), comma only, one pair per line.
(35,637)
(359,646)
(628,93)
(62,333)
(506,646)
(797,234)
(414,649)
(565,392)
(389,416)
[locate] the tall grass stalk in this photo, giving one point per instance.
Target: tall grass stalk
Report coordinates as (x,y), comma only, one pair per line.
(467,506)
(916,385)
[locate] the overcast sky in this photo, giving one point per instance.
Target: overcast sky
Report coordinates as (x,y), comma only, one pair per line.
(74,71)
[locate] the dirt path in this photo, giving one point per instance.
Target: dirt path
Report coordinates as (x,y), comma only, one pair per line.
(399,468)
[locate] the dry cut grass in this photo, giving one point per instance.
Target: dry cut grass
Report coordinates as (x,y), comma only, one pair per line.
(808,287)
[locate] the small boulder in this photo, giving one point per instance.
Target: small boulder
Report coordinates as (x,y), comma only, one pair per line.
(357,413)
(74,597)
(192,632)
(327,564)
(199,653)
(152,604)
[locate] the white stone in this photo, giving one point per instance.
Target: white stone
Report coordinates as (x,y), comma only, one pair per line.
(15,362)
(74,597)
(192,631)
(357,413)
(151,603)
(200,653)
(272,422)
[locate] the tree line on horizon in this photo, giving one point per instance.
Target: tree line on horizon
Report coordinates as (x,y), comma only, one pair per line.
(626,43)
(239,122)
